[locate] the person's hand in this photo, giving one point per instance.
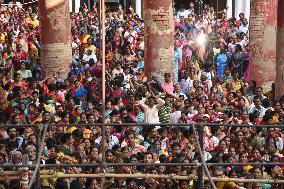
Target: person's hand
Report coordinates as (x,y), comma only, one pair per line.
(191,177)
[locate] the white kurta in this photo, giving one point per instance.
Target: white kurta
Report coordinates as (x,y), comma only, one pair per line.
(151,115)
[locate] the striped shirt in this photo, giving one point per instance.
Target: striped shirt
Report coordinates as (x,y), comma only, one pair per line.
(164,113)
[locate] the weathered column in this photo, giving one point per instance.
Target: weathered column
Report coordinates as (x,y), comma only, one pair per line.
(229,7)
(263,23)
(55,32)
(242,6)
(138,7)
(247,8)
(159,37)
(74,5)
(239,7)
(279,84)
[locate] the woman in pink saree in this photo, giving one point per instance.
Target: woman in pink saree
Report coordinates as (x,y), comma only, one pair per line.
(188,45)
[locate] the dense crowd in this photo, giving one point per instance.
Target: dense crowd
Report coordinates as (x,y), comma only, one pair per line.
(210,84)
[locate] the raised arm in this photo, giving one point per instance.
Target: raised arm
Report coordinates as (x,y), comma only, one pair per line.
(159,101)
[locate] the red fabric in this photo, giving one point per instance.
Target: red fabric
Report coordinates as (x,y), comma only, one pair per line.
(117,92)
(22,85)
(17,58)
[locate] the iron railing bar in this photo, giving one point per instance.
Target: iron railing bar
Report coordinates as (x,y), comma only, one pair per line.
(143,164)
(140,124)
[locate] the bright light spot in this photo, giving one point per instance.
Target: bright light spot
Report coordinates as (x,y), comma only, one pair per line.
(201,39)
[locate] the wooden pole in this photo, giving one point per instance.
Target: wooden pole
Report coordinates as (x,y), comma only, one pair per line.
(103,77)
(14,173)
(47,174)
(145,176)
(38,153)
(200,168)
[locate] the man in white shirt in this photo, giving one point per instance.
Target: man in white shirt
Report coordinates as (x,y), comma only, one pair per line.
(89,55)
(151,109)
(257,106)
(182,12)
(191,7)
(244,27)
(174,117)
(207,72)
(110,138)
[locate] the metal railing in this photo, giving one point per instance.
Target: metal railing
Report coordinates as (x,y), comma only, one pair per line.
(201,165)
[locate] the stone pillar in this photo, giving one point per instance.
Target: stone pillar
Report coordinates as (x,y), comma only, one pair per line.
(229,7)
(55,32)
(279,84)
(159,37)
(71,6)
(138,7)
(239,7)
(242,6)
(74,5)
(263,23)
(247,9)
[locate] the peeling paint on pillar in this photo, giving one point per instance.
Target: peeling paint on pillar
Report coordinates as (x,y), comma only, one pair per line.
(159,37)
(263,29)
(279,84)
(55,31)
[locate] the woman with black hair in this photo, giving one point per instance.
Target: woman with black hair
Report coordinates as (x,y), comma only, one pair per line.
(238,60)
(67,144)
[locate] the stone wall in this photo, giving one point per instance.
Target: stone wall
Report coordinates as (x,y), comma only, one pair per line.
(279,84)
(159,37)
(55,28)
(263,30)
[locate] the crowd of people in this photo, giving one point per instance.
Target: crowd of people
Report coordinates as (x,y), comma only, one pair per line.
(210,84)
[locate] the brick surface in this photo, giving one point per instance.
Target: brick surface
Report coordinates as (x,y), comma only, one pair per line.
(279,84)
(55,29)
(263,22)
(159,37)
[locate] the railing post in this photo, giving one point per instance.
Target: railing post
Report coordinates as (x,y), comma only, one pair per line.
(38,153)
(200,182)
